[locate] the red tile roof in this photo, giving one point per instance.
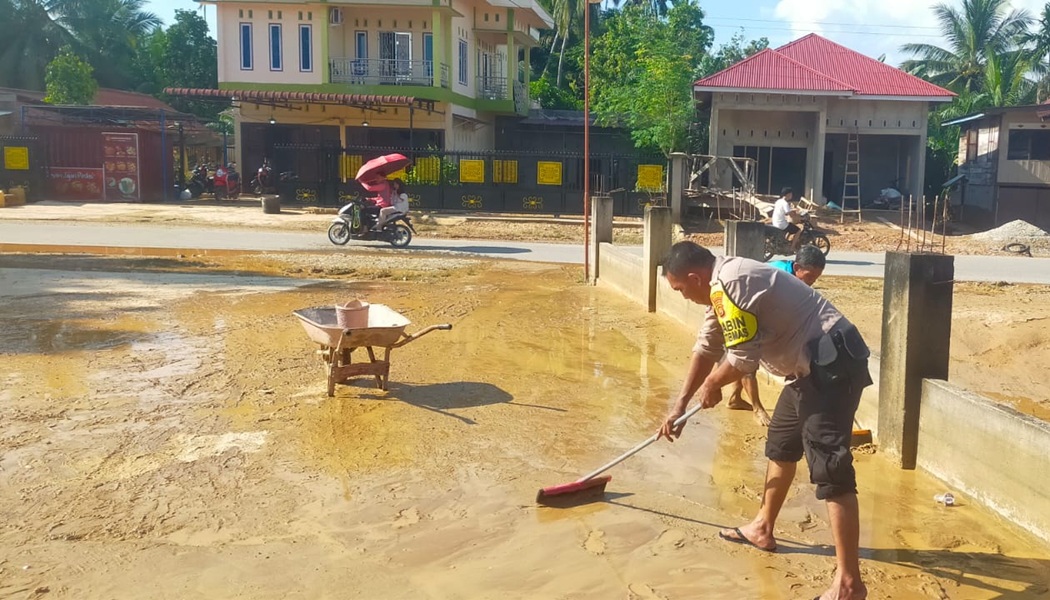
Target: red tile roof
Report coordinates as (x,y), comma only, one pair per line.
(855,73)
(306,97)
(769,70)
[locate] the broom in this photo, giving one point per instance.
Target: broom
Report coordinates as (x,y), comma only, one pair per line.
(590,487)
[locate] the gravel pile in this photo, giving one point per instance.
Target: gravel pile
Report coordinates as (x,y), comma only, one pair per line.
(1014,231)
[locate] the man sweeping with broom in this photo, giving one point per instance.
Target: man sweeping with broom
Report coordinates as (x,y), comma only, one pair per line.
(757,314)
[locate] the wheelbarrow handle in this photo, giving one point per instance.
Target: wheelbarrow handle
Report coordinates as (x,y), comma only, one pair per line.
(421,333)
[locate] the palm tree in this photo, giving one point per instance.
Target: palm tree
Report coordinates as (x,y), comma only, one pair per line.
(982,28)
(32,38)
(108,33)
(1005,80)
(566,14)
(104,32)
(658,6)
(1039,44)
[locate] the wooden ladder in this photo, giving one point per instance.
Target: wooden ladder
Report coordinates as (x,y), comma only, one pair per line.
(851,183)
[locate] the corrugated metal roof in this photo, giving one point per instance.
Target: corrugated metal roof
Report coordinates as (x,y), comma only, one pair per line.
(769,70)
(111,97)
(816,64)
(867,76)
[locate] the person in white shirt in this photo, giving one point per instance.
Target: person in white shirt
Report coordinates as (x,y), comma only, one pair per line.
(399,204)
(783,213)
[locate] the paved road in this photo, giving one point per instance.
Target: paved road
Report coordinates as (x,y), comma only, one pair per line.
(857,264)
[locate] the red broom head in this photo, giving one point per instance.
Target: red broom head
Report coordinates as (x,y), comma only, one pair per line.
(571,494)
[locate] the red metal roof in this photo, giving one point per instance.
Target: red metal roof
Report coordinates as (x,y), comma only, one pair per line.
(851,71)
(769,70)
(867,76)
(306,97)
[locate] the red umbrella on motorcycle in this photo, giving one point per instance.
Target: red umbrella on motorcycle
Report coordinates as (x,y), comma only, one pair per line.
(372,175)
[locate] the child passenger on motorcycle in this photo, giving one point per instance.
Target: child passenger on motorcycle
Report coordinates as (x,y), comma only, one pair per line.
(396,203)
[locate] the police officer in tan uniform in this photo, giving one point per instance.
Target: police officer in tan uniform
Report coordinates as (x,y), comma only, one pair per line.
(757,314)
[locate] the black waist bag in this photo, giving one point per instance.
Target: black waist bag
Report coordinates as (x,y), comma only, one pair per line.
(840,357)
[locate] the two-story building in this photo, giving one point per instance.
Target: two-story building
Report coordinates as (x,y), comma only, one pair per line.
(396,73)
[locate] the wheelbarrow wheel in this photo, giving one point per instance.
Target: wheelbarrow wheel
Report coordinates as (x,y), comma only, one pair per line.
(339,234)
(401,236)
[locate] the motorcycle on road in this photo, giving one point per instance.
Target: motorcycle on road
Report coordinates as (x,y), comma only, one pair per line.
(777,244)
(353,222)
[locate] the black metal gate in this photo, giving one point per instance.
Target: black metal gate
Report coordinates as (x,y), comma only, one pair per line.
(22,163)
(491,182)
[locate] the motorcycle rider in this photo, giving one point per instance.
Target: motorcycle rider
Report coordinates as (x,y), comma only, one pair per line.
(399,201)
(375,204)
(783,215)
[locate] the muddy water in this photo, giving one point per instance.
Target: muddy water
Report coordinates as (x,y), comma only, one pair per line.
(190,450)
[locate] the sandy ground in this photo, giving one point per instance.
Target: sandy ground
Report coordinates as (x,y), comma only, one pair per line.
(166,434)
(879,232)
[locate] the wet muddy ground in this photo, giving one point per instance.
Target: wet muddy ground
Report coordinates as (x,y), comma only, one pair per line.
(166,433)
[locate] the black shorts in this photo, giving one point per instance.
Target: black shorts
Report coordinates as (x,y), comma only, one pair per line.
(819,424)
(792,228)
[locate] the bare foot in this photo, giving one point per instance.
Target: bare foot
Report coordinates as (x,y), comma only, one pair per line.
(737,402)
(752,535)
(761,416)
(845,588)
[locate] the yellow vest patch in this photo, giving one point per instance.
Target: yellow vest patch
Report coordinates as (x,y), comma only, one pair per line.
(738,325)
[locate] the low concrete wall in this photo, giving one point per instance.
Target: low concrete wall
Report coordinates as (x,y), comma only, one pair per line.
(988,451)
(623,271)
(672,304)
(985,450)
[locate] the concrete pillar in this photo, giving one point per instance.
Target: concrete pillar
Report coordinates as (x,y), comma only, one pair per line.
(326,68)
(440,40)
(916,334)
(713,133)
(657,245)
(918,175)
(601,230)
(746,239)
(819,148)
(677,177)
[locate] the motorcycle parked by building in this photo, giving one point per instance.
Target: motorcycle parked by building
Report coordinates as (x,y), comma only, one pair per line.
(356,222)
(777,243)
(227,182)
(264,183)
(201,182)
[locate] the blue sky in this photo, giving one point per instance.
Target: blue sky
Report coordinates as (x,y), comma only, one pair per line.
(874,27)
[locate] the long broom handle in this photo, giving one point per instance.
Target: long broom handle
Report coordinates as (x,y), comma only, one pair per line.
(639,447)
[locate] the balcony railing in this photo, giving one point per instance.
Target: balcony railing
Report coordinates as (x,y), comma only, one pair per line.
(385,71)
(492,88)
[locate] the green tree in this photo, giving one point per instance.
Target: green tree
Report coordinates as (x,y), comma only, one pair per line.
(107,34)
(189,58)
(659,7)
(735,50)
(69,80)
(1038,41)
(643,73)
(104,32)
(982,28)
(29,38)
(566,14)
